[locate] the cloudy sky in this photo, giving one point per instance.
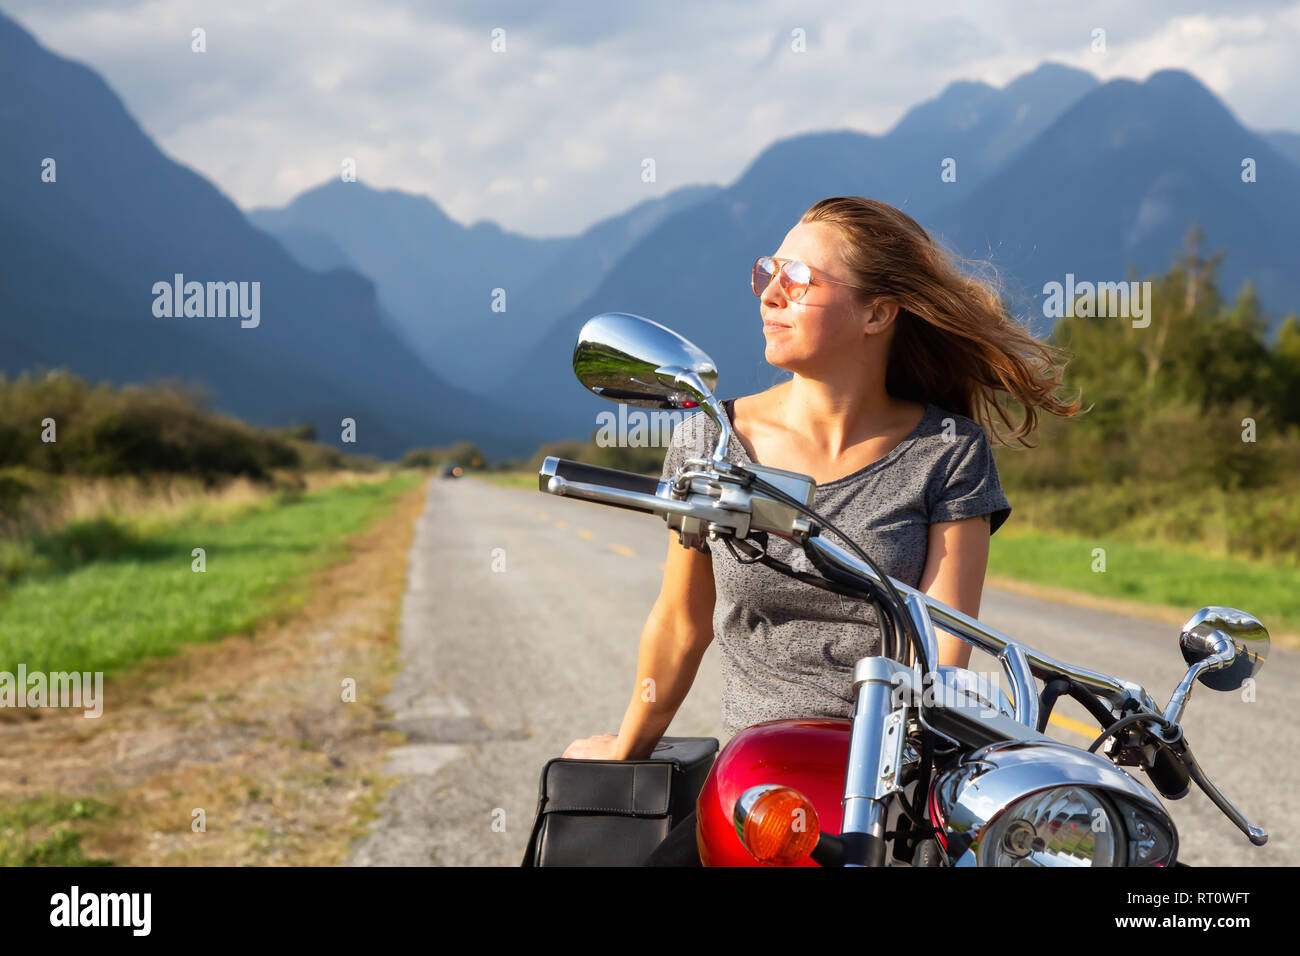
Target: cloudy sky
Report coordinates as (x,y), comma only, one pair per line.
(548,135)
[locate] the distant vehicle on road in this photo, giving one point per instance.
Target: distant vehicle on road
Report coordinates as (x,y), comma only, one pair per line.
(451,470)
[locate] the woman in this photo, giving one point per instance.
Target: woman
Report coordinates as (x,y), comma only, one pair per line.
(897,362)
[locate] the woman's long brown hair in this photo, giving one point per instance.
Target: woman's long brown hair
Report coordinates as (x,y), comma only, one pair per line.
(955,343)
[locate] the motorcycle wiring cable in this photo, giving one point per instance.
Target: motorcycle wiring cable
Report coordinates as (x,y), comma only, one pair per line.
(1124,722)
(1055,687)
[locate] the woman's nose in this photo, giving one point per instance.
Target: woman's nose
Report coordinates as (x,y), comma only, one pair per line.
(773,295)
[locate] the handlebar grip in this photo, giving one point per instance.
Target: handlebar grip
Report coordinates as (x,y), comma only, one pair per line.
(595,475)
(1169,774)
(607,480)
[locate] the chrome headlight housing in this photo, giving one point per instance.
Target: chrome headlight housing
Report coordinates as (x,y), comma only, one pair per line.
(1063,826)
(1034,803)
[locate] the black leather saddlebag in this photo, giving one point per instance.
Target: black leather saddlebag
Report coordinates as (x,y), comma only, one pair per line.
(614,812)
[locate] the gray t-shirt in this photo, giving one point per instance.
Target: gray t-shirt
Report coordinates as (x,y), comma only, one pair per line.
(788,648)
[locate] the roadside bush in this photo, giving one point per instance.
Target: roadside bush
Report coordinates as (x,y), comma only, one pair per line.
(645,460)
(162,428)
(419,458)
(572,449)
(466,454)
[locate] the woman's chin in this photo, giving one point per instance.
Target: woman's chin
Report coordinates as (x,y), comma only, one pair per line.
(776,355)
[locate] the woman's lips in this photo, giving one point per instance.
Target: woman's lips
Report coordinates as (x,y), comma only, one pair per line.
(771,326)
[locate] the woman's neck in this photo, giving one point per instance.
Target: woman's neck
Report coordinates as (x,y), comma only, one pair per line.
(836,415)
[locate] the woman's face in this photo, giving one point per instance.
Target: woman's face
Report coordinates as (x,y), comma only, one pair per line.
(826,326)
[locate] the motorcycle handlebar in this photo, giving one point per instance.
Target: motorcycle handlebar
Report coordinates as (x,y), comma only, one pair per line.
(579,473)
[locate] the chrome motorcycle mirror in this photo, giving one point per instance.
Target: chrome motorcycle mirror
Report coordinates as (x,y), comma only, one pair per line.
(1224,647)
(630,359)
(1203,636)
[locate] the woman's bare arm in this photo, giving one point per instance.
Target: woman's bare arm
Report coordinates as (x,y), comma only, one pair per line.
(955,565)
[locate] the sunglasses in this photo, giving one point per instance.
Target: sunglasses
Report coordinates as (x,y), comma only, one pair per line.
(795,277)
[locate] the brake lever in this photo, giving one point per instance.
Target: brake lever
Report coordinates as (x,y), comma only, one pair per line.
(1170,737)
(1256,835)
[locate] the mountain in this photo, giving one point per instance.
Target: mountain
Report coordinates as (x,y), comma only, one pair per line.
(985,125)
(315,250)
(1286,143)
(80,257)
(1118,179)
(708,248)
(437,277)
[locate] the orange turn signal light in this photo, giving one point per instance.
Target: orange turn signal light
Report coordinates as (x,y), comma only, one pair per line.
(776,824)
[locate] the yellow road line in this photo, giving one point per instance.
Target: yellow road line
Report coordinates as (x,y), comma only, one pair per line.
(623,550)
(1074,726)
(544,516)
(584,533)
(561,525)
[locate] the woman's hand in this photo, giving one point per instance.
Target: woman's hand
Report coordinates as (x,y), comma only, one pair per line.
(600,747)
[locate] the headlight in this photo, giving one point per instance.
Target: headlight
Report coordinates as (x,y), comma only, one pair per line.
(1064,826)
(1043,803)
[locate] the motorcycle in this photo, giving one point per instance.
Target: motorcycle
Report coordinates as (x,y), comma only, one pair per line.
(936,766)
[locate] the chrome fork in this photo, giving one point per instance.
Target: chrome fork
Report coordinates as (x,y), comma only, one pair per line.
(879,726)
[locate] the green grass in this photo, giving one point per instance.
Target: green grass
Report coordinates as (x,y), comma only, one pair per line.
(110,597)
(1151,575)
(34,832)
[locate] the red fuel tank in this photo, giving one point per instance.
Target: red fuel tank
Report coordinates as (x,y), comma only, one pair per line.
(808,755)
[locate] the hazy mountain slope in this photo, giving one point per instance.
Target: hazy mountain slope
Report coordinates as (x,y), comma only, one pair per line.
(438,278)
(1118,179)
(85,251)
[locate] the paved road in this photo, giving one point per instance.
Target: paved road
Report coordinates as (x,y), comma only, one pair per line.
(520,631)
